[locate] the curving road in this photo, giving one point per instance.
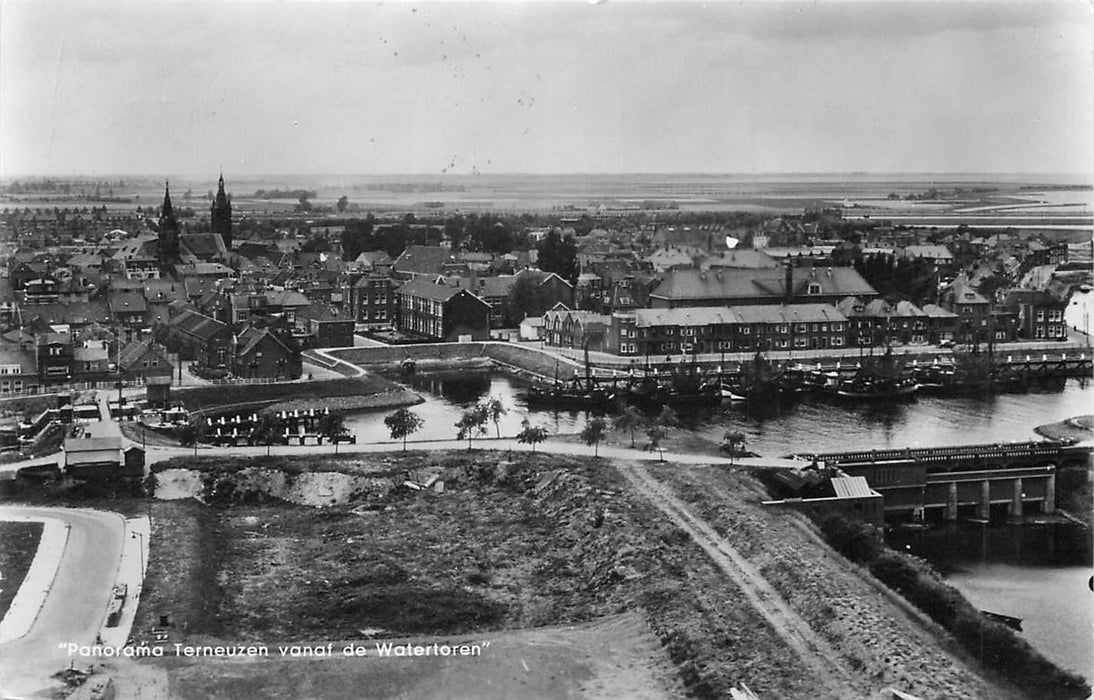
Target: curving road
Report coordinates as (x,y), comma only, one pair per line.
(75,605)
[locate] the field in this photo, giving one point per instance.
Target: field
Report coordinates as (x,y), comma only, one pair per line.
(18,545)
(518,554)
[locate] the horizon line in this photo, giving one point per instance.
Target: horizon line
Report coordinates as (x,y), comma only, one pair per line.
(650,173)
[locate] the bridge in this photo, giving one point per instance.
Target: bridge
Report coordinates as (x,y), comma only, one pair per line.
(1015,478)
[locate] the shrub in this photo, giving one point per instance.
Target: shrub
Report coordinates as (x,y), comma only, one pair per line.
(853,539)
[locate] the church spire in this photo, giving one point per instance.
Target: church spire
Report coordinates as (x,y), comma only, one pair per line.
(169,231)
(167,212)
(220,215)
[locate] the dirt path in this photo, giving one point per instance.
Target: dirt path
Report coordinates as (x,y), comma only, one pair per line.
(813,651)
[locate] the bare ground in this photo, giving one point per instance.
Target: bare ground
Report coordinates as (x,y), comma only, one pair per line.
(510,552)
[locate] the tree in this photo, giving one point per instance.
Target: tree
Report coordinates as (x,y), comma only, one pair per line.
(656,433)
(403,423)
(342,204)
(527,297)
(531,434)
(357,237)
(269,427)
(332,424)
(303,204)
(629,420)
(495,409)
(558,254)
(194,431)
(473,420)
(594,433)
(659,429)
(733,442)
(456,232)
(668,417)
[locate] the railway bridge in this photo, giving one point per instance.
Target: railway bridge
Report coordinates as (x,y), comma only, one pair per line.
(963,480)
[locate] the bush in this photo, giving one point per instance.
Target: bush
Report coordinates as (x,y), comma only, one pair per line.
(995,644)
(853,539)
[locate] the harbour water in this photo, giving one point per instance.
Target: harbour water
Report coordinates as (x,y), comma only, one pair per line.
(1037,573)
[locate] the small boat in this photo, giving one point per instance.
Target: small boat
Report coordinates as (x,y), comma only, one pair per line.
(881,379)
(728,395)
(1015,623)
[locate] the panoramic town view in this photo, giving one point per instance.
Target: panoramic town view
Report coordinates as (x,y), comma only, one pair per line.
(551,350)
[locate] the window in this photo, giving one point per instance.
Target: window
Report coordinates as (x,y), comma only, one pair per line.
(746,330)
(837,341)
(814,288)
(801,342)
(782,328)
(801,328)
(781,344)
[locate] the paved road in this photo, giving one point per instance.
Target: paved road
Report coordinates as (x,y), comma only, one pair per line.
(507,445)
(76,603)
(156,453)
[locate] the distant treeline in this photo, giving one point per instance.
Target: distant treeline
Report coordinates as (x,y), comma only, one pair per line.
(284,194)
(415,187)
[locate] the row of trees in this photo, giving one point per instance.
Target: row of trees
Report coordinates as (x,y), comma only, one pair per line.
(899,277)
(474,422)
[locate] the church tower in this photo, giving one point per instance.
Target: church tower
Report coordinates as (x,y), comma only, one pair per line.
(169,232)
(221,215)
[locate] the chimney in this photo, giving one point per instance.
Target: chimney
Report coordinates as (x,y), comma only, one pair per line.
(789,281)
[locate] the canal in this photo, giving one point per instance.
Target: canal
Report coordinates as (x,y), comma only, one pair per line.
(1037,573)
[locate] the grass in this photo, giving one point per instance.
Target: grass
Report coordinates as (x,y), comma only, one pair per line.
(993,643)
(18,545)
(222,396)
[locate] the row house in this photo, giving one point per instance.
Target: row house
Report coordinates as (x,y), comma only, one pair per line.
(788,327)
(372,300)
(727,287)
(141,359)
(440,312)
(325,326)
(263,353)
(1039,314)
(566,328)
(17,370)
(55,356)
(973,312)
(746,328)
(878,322)
(195,336)
(941,324)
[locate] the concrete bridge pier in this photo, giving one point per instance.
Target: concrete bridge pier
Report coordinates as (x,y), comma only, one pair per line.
(1050,493)
(951,501)
(983,508)
(1016,501)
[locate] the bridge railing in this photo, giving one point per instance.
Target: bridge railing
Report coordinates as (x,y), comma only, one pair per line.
(987,450)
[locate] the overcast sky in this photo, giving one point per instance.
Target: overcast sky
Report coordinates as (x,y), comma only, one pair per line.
(399,87)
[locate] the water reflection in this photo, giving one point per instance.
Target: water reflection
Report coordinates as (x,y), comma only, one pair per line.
(771,428)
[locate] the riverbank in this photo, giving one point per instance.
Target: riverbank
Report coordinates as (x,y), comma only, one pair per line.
(1078,429)
(235,398)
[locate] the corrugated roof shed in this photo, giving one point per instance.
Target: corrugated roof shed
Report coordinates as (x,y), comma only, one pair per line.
(852,487)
